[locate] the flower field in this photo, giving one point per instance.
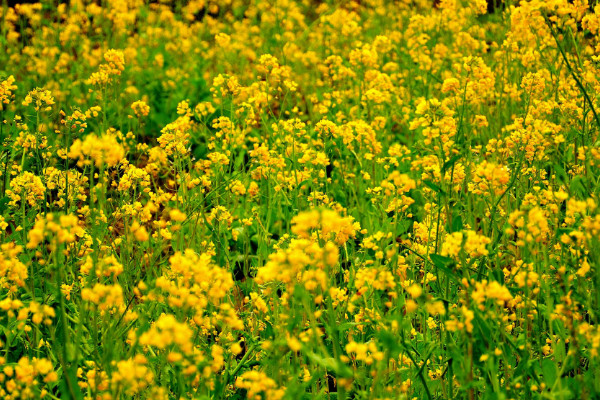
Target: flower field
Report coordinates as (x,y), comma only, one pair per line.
(278,199)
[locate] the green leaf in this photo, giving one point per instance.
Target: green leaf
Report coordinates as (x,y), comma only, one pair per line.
(390,342)
(346,325)
(560,352)
(3,203)
(560,173)
(69,389)
(444,264)
(562,231)
(549,371)
(340,369)
(448,164)
(441,261)
(404,226)
(484,327)
(433,186)
(577,187)
(457,223)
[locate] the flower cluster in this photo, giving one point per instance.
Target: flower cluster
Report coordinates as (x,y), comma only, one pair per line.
(296,199)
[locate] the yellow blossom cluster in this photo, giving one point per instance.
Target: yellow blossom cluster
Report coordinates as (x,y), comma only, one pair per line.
(228,199)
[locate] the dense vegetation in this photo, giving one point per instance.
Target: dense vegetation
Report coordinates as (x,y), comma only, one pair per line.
(300,200)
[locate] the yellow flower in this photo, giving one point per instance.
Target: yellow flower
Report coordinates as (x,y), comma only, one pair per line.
(259,386)
(177,215)
(329,224)
(7,87)
(13,273)
(133,375)
(293,343)
(102,150)
(175,136)
(113,66)
(41,99)
(235,348)
(166,331)
(474,244)
(140,108)
(489,178)
(26,187)
(414,290)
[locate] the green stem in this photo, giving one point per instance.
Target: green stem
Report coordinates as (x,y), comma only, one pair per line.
(579,84)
